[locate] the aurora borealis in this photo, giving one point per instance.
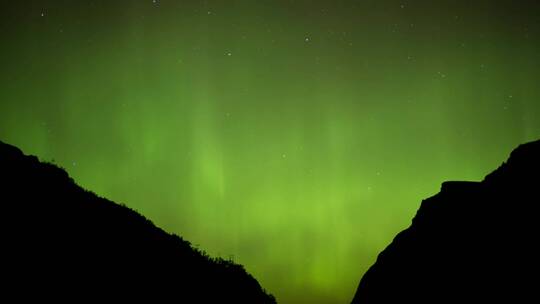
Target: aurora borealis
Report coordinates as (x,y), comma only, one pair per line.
(295,137)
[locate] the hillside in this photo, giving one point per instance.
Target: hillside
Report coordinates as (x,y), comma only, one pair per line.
(61,242)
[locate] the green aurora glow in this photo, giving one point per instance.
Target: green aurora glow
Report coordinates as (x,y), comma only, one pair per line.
(296,137)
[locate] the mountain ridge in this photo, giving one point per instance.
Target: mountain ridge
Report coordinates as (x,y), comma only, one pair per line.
(470,241)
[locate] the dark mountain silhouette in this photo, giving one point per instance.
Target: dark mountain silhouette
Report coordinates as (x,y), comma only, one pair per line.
(474,242)
(61,242)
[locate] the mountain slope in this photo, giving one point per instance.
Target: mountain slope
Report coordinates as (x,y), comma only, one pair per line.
(472,242)
(60,241)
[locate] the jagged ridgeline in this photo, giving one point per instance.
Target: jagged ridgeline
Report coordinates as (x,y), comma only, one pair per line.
(474,242)
(60,241)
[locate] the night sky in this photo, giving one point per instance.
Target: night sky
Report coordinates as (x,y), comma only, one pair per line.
(295,137)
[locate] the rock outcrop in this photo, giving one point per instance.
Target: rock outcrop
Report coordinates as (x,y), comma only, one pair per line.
(474,242)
